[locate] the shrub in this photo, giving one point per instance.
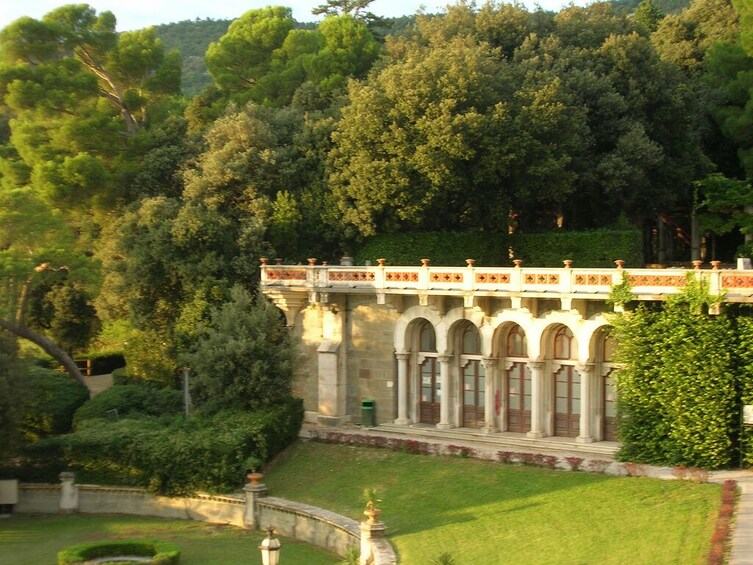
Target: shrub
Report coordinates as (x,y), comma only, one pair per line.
(131,401)
(243,358)
(203,453)
(54,398)
(161,553)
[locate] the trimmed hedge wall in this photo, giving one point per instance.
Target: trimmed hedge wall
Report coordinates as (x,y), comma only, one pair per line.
(597,248)
(202,453)
(161,553)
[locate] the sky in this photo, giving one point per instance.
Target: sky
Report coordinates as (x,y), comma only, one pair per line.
(137,14)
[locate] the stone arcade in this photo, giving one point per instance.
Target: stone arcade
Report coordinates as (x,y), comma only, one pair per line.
(514,352)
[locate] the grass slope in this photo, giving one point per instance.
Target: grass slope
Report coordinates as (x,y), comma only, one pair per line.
(485,512)
(35,540)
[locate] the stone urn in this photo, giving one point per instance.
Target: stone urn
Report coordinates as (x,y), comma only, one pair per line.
(254,478)
(372,515)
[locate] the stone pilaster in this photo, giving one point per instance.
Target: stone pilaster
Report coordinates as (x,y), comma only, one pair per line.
(444,378)
(537,398)
(586,402)
(402,389)
(490,382)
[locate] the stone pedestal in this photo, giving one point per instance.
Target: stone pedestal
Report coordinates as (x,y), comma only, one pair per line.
(369,531)
(253,492)
(68,493)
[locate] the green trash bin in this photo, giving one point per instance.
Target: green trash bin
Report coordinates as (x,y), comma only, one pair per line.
(367,413)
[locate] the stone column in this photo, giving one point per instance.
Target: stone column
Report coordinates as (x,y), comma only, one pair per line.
(586,402)
(68,493)
(537,400)
(444,377)
(490,374)
(402,389)
(253,491)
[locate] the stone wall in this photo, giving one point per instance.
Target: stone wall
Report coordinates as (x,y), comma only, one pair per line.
(254,510)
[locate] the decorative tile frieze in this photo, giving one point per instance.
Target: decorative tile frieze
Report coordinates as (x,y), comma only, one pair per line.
(351,276)
(737,281)
(657,280)
(447,277)
(493,278)
(401,276)
(593,280)
(286,275)
(541,278)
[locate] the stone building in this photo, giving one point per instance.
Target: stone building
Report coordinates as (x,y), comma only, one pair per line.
(517,352)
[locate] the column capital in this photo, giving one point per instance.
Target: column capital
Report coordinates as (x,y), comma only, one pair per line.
(490,362)
(585,368)
(402,356)
(536,365)
(444,358)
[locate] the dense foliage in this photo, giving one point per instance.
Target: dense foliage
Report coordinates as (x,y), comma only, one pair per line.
(679,383)
(131,401)
(198,454)
(596,248)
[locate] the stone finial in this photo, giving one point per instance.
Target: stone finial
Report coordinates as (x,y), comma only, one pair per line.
(278,260)
(517,263)
(381,262)
(619,263)
(697,264)
(568,263)
(263,260)
(470,262)
(312,261)
(424,262)
(325,263)
(715,265)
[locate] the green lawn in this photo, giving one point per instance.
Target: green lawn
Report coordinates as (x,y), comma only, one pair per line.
(35,540)
(486,513)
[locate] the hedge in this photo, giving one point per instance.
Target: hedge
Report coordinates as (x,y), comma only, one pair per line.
(54,398)
(131,401)
(597,248)
(202,453)
(161,553)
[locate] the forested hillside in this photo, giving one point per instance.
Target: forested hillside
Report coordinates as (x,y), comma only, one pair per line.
(128,212)
(191,39)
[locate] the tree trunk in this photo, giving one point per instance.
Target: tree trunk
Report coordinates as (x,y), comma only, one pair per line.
(47,345)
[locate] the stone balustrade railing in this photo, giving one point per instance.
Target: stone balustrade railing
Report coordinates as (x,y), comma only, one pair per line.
(593,284)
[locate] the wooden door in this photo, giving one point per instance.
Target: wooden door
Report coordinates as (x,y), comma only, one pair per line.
(474,394)
(567,402)
(431,391)
(519,398)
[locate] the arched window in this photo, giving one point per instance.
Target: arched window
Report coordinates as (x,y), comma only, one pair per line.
(427,338)
(564,343)
(517,346)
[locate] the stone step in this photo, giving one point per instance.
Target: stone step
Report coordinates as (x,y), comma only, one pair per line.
(501,441)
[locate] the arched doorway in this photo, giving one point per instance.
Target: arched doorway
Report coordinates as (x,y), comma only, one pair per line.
(518,396)
(429,377)
(567,381)
(473,377)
